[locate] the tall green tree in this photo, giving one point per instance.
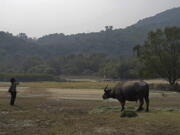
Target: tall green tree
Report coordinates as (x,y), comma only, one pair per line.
(160,54)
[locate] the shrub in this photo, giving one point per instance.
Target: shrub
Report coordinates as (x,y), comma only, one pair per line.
(128,114)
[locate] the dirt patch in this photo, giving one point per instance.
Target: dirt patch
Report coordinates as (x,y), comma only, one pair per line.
(76,94)
(20,89)
(83,94)
(105,130)
(17,124)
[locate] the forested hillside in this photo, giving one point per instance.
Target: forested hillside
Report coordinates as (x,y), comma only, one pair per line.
(109,41)
(117,42)
(106,53)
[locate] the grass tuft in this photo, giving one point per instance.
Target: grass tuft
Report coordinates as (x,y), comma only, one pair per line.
(129,114)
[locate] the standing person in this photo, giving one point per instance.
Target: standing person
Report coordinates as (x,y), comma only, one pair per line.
(12,90)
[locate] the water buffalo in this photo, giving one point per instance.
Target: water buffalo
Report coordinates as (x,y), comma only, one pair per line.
(130,91)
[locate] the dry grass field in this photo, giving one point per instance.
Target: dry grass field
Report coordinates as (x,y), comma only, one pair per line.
(80,110)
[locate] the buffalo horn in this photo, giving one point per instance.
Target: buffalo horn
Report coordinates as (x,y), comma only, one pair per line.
(105,88)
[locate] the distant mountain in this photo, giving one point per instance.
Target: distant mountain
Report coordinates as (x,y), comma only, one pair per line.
(113,42)
(118,42)
(167,18)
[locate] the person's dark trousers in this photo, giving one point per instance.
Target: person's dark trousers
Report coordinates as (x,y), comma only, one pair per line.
(13,97)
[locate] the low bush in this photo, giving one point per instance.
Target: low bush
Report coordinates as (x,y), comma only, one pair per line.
(128,114)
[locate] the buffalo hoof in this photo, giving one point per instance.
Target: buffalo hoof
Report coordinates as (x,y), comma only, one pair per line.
(147,110)
(122,110)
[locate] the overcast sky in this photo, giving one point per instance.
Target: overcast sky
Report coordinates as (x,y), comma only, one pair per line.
(41,17)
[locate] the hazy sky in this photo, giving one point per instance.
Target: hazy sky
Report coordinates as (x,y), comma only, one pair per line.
(40,17)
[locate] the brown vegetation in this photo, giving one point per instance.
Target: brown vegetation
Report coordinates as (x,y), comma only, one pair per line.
(48,114)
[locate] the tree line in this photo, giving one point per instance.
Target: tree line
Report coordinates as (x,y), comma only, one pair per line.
(74,65)
(157,57)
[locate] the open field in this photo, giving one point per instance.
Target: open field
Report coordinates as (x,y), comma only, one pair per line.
(74,111)
(70,85)
(76,84)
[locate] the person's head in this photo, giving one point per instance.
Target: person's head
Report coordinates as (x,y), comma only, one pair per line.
(12,80)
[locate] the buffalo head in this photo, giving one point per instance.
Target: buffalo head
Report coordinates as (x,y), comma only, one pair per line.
(107,93)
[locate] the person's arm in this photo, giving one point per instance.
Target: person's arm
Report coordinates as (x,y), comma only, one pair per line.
(17,83)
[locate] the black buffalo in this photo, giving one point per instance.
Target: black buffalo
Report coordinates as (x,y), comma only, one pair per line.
(130,91)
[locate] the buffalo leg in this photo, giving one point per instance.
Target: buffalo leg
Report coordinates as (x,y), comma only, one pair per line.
(122,105)
(141,104)
(147,103)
